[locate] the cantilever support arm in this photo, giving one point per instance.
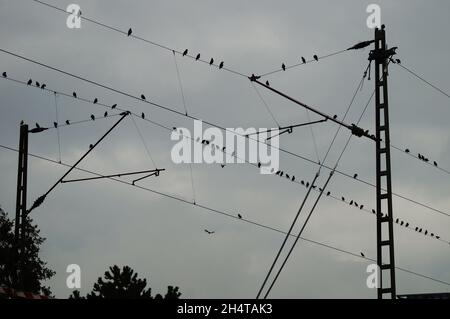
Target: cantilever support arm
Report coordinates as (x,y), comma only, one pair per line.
(353,128)
(153,171)
(38,202)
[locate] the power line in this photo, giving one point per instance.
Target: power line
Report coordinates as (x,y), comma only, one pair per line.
(218,126)
(133,36)
(423,80)
(229,215)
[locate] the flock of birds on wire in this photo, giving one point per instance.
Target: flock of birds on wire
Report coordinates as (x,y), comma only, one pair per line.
(206,142)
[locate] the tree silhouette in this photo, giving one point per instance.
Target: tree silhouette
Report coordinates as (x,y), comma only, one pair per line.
(123,284)
(27,273)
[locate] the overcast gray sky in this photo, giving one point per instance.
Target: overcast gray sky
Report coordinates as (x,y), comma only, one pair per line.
(100,223)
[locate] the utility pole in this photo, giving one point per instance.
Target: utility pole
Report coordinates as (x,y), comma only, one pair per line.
(21,199)
(385,228)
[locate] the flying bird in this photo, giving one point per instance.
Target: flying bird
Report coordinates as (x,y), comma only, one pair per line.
(4,74)
(114,106)
(29,82)
(303,60)
(316,57)
(143,115)
(209,232)
(143,97)
(283,67)
(221,65)
(197,57)
(211,61)
(92,117)
(95,101)
(185,52)
(130,32)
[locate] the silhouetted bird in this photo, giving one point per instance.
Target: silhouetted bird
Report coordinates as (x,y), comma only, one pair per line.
(92,117)
(105,114)
(407,151)
(283,67)
(335,116)
(396,221)
(29,82)
(437,237)
(197,57)
(293,178)
(221,65)
(426,232)
(74,95)
(4,74)
(55,124)
(68,122)
(355,176)
(143,115)
(401,223)
(420,230)
(307,184)
(361,207)
(43,86)
(407,224)
(356,204)
(38,84)
(281,174)
(287,176)
(222,165)
(328,193)
(130,32)
(432,235)
(278,173)
(302,182)
(267,83)
(91,146)
(259,164)
(21,122)
(362,255)
(398,61)
(373,211)
(316,57)
(303,60)
(435,163)
(95,101)
(143,97)
(209,232)
(351,202)
(343,199)
(240,216)
(211,61)
(416,229)
(113,106)
(185,52)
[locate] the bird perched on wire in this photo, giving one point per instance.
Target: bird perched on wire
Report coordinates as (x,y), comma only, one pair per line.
(335,117)
(328,193)
(74,94)
(355,176)
(29,82)
(351,202)
(38,84)
(95,101)
(22,122)
(55,124)
(267,83)
(293,178)
(240,216)
(43,86)
(130,31)
(113,106)
(211,61)
(407,151)
(209,232)
(185,52)
(67,122)
(283,66)
(143,97)
(303,60)
(435,163)
(316,57)
(143,115)
(105,114)
(362,255)
(407,224)
(197,57)
(221,65)
(4,75)
(92,117)
(91,146)
(343,199)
